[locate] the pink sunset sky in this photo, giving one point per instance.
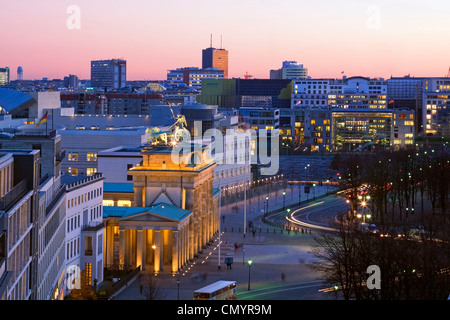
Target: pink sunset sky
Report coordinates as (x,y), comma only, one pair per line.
(369,38)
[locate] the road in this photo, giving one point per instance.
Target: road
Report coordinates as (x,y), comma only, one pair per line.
(318,214)
(272,251)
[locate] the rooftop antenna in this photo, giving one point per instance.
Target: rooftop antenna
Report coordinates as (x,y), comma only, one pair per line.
(220,42)
(210,42)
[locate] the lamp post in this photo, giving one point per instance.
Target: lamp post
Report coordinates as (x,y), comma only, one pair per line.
(314,186)
(178,284)
(249,266)
(284,200)
(267,205)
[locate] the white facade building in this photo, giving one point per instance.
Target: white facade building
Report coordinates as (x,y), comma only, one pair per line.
(290,70)
(84,232)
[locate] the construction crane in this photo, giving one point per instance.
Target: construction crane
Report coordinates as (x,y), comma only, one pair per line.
(247,76)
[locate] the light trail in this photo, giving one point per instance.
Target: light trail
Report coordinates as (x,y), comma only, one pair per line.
(293,220)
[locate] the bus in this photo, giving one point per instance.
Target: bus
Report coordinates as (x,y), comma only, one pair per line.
(220,290)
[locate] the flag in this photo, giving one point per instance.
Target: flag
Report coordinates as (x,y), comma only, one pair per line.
(43,119)
(391,101)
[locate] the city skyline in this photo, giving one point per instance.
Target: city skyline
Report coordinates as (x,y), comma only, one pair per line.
(357,38)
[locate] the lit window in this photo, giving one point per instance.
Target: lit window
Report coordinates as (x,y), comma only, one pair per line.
(108,203)
(91,156)
(124,203)
(91,171)
(73,156)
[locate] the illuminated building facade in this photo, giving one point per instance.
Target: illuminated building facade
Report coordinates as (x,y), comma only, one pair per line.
(174,213)
(4,76)
(358,129)
(215,58)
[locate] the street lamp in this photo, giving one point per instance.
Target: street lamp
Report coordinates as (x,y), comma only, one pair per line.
(178,284)
(284,199)
(249,266)
(267,205)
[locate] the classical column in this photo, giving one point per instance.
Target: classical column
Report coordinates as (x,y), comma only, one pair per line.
(121,247)
(138,196)
(109,248)
(175,252)
(157,258)
(139,249)
(144,249)
(191,241)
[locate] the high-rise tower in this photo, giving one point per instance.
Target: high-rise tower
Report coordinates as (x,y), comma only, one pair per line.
(20,73)
(109,74)
(218,58)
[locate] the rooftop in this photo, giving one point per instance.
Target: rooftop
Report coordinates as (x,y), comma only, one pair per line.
(162,209)
(124,187)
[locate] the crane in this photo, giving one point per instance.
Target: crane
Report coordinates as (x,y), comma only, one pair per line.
(247,76)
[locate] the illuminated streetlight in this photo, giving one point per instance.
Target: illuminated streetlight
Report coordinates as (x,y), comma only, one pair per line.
(249,266)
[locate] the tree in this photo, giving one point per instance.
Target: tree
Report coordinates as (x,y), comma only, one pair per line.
(150,288)
(411,267)
(85,292)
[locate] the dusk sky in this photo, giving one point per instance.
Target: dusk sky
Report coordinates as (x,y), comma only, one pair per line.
(376,38)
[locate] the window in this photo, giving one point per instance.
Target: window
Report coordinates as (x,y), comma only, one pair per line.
(91,156)
(91,171)
(72,156)
(74,172)
(88,246)
(108,203)
(129,176)
(99,242)
(88,273)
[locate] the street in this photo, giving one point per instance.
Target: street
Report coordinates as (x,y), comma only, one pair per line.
(273,251)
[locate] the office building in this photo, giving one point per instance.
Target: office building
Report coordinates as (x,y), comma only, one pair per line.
(108,74)
(4,76)
(19,192)
(84,244)
(71,81)
(290,70)
(236,93)
(215,58)
(193,76)
(354,92)
(362,130)
(83,145)
(47,271)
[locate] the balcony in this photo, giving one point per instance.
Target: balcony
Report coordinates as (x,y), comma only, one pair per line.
(58,194)
(13,195)
(61,155)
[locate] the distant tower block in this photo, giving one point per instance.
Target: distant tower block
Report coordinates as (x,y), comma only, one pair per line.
(19,73)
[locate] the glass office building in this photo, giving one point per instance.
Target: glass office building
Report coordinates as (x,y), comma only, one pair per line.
(108,74)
